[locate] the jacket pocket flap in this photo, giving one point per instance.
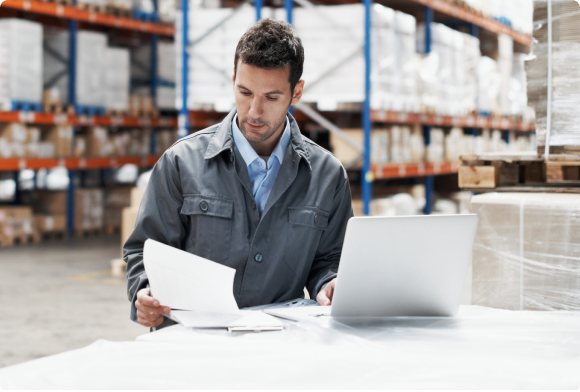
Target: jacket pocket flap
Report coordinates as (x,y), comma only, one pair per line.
(309,216)
(207,205)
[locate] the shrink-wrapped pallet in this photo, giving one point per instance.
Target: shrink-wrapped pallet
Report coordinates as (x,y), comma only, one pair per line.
(166,72)
(20,62)
(565,128)
(90,65)
(117,77)
(526,254)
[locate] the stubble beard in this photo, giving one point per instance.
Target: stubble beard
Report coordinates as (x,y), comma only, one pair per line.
(270,131)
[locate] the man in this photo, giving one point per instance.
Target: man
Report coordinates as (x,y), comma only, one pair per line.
(251,193)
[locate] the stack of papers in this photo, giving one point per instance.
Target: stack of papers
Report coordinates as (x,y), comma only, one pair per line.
(199,291)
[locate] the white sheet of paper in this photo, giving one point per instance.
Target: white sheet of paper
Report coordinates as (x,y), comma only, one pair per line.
(184,281)
(247,318)
(311,313)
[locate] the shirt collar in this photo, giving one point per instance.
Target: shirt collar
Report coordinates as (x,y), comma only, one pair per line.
(248,152)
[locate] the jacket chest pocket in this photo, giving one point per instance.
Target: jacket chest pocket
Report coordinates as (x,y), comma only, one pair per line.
(210,225)
(306,225)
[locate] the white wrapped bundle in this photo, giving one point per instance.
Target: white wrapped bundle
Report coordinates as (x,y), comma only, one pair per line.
(20,62)
(90,65)
(525,255)
(565,129)
(117,77)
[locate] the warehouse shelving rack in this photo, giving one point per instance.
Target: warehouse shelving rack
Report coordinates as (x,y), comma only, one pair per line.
(388,171)
(75,15)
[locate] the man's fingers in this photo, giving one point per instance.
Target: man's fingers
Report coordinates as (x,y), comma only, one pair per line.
(150,309)
(144,297)
(150,324)
(148,316)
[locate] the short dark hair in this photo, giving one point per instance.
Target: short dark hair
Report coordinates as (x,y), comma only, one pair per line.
(271,44)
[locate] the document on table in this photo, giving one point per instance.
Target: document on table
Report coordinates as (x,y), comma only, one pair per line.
(200,291)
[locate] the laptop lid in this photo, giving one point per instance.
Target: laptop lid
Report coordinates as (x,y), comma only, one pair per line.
(404,266)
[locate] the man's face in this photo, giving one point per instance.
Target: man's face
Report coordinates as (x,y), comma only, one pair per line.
(263,97)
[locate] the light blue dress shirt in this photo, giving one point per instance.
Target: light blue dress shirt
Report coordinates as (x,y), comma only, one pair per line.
(262,175)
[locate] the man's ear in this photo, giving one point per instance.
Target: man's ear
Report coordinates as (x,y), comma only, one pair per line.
(234,76)
(298,90)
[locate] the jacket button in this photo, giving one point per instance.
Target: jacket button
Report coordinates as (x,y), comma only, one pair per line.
(258,257)
(316,218)
(253,205)
(203,206)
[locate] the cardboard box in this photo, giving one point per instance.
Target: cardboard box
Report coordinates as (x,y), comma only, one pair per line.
(136,196)
(98,144)
(16,222)
(129,219)
(14,132)
(89,209)
(50,223)
(61,137)
(46,202)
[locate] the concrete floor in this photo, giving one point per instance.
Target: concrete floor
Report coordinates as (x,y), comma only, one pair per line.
(60,295)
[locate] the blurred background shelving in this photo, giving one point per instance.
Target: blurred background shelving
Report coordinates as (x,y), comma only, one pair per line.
(396,89)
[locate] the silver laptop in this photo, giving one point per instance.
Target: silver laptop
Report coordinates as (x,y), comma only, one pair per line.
(400,266)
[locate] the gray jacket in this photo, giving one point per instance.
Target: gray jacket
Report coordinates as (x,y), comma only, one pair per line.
(199,199)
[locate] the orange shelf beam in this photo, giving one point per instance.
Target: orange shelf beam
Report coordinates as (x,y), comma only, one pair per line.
(49,118)
(504,123)
(403,170)
(75,13)
(467,15)
(14,164)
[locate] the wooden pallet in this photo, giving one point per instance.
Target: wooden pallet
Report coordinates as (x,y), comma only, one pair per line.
(563,172)
(119,12)
(113,229)
(57,108)
(117,113)
(491,171)
(19,239)
(92,7)
(84,233)
(53,235)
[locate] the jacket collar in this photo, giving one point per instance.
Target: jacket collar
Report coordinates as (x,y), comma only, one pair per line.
(222,140)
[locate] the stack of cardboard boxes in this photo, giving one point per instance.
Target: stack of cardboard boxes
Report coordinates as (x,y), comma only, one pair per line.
(16,224)
(116,199)
(20,141)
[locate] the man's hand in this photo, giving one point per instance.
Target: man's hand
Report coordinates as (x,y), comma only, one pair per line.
(324,297)
(149,311)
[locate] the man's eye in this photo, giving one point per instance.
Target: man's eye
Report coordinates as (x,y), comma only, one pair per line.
(245,93)
(272,99)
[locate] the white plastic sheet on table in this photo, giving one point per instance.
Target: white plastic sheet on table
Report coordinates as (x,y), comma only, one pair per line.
(480,348)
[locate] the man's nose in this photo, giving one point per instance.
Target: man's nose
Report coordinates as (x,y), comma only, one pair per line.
(257,108)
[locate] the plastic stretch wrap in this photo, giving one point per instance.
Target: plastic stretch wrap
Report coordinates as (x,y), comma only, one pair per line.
(20,62)
(527,251)
(117,77)
(480,348)
(448,73)
(565,128)
(91,65)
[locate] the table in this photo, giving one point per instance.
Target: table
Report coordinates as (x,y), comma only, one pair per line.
(479,348)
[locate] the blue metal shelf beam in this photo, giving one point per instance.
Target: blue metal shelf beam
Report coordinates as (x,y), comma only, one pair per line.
(367,176)
(183,119)
(429,180)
